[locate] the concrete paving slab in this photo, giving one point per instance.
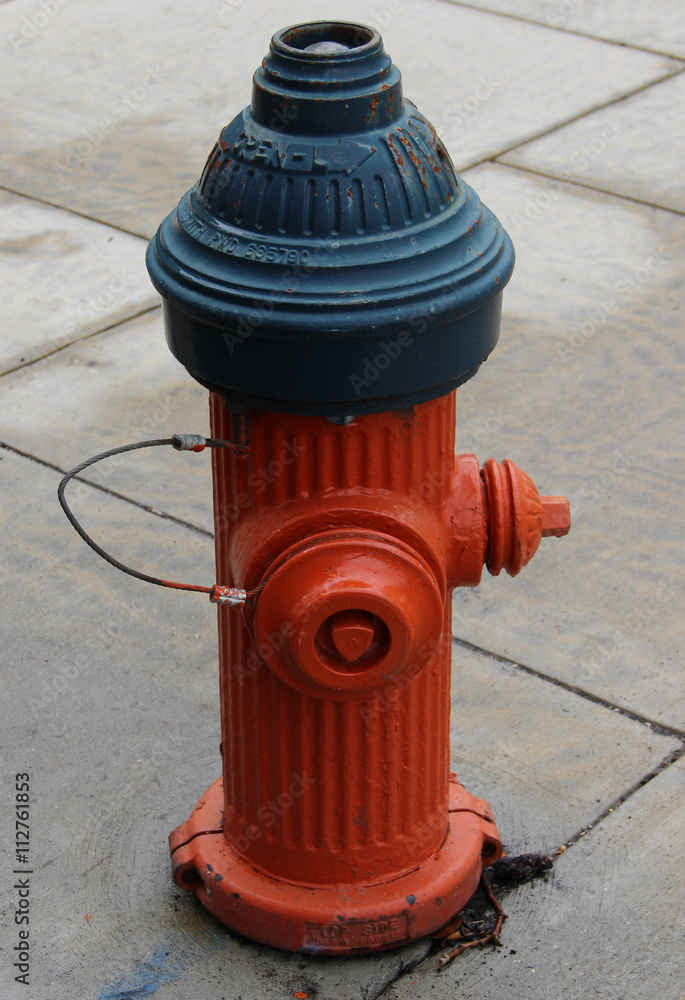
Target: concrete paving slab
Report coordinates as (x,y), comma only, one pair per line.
(121,138)
(76,277)
(481,104)
(548,761)
(113,389)
(584,392)
(659,27)
(112,707)
(634,149)
(607,923)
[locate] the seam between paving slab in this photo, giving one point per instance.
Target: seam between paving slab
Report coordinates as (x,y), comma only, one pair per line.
(588,187)
(582,834)
(110,492)
(576,118)
(644,720)
(79,340)
(563,30)
(72,211)
(673,757)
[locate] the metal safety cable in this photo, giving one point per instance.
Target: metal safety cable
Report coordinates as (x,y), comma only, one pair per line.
(232,596)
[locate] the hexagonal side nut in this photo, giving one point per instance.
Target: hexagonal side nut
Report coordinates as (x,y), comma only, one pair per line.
(556,517)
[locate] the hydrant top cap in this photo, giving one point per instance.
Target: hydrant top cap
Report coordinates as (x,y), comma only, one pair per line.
(326,77)
(330,229)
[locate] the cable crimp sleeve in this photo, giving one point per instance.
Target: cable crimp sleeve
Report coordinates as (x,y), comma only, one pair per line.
(188,442)
(233,596)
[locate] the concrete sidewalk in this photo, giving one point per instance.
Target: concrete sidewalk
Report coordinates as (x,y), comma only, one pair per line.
(568,705)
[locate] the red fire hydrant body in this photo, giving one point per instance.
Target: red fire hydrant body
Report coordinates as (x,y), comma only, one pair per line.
(336,826)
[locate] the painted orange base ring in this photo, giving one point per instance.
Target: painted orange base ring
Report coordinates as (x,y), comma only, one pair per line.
(340,919)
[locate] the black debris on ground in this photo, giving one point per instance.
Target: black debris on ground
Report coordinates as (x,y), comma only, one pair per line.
(480,922)
(509,872)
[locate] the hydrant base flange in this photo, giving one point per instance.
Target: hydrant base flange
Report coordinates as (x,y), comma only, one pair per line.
(340,918)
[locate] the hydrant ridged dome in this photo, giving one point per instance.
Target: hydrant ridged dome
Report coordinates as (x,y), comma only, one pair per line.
(330,227)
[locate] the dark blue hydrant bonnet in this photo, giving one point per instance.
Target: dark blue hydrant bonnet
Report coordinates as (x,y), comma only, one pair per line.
(330,260)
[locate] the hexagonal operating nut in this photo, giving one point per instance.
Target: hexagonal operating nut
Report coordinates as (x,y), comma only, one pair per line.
(556,517)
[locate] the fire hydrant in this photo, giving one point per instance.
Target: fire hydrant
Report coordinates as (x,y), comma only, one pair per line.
(332,281)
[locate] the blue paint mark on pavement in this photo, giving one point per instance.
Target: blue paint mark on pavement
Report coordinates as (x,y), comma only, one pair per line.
(155,971)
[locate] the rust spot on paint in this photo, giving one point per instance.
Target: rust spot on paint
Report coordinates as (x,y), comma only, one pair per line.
(373,108)
(399,159)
